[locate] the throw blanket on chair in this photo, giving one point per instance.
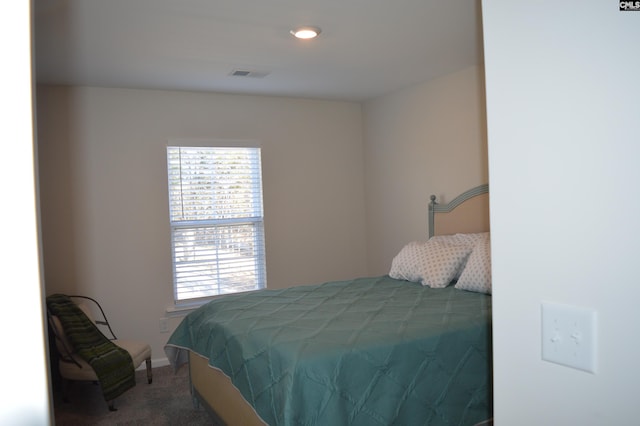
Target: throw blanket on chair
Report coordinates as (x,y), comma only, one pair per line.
(112,364)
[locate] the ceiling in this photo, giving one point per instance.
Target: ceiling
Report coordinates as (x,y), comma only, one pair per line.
(367,48)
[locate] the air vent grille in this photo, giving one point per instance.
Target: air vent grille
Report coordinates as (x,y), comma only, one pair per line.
(249,73)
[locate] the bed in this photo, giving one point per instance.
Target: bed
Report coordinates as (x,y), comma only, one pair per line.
(410,348)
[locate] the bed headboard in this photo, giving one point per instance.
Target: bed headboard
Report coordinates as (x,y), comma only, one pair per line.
(467,213)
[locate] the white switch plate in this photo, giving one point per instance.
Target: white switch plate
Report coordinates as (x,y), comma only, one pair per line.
(569,336)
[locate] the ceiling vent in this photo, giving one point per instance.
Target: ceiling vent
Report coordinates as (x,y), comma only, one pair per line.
(249,73)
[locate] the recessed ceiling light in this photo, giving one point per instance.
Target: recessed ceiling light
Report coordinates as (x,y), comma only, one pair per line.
(305,32)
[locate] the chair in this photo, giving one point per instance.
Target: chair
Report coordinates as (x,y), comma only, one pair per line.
(72,367)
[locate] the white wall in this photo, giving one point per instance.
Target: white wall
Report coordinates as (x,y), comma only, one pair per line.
(104,192)
(562,104)
(427,139)
(25,399)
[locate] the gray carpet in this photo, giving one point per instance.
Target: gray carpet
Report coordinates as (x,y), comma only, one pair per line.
(167,401)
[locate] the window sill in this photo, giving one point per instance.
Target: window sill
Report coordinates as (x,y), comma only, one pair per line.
(182,309)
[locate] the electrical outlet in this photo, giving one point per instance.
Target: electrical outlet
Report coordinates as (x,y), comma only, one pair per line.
(164,325)
(569,336)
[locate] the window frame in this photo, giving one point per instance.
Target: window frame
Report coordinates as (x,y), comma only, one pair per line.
(260,258)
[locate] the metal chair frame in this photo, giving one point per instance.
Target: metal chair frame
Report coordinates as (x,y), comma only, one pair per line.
(67,356)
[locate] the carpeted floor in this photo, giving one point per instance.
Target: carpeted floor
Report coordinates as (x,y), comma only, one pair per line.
(167,401)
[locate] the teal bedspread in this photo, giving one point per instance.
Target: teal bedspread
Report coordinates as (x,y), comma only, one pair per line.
(371,351)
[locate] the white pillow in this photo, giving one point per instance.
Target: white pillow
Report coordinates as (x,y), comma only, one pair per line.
(468,240)
(406,264)
(434,263)
(476,275)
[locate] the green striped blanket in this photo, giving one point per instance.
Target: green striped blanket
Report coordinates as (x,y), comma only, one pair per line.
(112,364)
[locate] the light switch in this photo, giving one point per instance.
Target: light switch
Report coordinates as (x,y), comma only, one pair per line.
(569,336)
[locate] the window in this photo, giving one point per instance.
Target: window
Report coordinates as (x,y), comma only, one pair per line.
(216,217)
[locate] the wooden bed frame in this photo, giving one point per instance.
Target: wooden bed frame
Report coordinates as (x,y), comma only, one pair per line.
(210,387)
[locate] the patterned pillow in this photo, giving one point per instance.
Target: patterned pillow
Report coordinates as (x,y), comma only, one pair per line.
(405,266)
(468,240)
(434,263)
(476,275)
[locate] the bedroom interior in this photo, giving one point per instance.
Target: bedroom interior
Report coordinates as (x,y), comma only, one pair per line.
(101,206)
(315,156)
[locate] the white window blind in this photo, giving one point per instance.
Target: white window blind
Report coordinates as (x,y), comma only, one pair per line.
(216,217)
